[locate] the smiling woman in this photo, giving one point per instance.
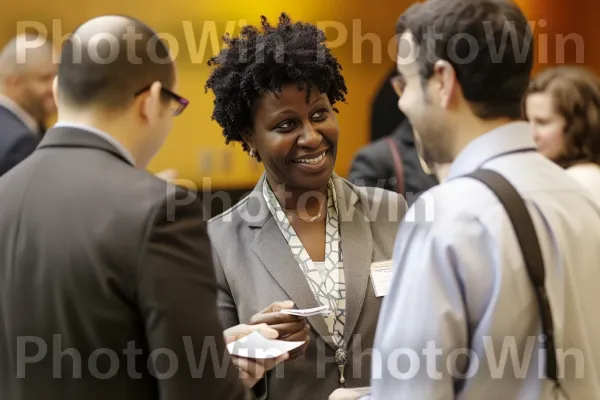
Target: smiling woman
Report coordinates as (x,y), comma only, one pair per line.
(304,234)
(295,139)
(297,93)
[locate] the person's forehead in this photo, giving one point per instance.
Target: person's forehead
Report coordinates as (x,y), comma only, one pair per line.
(539,103)
(41,69)
(42,58)
(406,44)
(291,95)
(408,52)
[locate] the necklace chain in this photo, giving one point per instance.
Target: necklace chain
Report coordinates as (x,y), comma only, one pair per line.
(309,219)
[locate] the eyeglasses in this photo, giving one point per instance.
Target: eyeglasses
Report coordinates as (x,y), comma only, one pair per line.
(398,83)
(179,103)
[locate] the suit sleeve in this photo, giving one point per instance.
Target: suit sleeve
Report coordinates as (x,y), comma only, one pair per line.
(228,314)
(19,151)
(178,296)
(225,302)
(368,169)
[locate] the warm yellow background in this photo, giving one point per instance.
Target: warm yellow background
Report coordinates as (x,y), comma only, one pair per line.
(196,148)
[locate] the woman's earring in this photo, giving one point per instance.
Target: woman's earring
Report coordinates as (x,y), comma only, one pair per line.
(253,153)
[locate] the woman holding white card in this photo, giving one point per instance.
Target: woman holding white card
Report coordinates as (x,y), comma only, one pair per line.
(305,237)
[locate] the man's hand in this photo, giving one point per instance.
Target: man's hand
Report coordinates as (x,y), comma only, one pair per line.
(290,327)
(252,370)
(348,394)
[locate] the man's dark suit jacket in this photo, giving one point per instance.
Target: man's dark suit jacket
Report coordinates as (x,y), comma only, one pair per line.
(100,260)
(385,114)
(373,165)
(17,141)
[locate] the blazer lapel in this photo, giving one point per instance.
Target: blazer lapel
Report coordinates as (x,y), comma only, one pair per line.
(274,252)
(357,250)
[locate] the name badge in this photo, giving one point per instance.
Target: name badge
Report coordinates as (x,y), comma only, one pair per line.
(381,277)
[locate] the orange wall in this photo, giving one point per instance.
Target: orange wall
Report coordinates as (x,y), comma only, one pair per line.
(567,33)
(196,147)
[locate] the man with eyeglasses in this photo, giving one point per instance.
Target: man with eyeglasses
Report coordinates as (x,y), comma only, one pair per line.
(107,289)
(394,161)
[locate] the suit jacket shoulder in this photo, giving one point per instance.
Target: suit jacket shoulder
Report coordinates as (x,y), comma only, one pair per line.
(373,165)
(17,141)
(11,126)
(377,204)
(378,148)
(235,218)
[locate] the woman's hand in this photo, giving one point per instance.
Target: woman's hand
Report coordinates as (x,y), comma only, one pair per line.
(291,328)
(252,370)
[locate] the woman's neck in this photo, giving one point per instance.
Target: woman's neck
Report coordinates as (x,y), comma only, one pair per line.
(300,202)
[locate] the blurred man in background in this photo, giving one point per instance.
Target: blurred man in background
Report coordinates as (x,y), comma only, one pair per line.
(26,101)
(393,163)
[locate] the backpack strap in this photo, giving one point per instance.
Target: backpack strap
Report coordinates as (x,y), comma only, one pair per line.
(398,168)
(528,241)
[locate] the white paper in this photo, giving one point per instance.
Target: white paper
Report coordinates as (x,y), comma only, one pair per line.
(307,312)
(257,346)
(381,276)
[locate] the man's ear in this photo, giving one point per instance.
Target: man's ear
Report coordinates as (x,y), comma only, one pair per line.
(12,80)
(55,89)
(445,81)
(151,102)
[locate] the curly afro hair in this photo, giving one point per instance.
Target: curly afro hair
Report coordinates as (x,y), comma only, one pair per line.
(258,62)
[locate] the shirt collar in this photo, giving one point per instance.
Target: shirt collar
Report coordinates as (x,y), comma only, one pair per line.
(511,137)
(116,144)
(20,113)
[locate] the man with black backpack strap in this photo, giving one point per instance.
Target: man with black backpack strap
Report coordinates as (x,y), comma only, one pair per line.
(494,294)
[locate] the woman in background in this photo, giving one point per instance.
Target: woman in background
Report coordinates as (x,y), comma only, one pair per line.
(563,107)
(304,237)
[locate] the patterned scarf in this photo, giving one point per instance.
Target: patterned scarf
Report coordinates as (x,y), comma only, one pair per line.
(328,284)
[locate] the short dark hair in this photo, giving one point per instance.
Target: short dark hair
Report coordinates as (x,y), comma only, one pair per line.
(257,62)
(83,81)
(493,81)
(575,93)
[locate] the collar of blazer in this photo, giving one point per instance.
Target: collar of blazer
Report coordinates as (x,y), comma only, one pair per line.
(75,137)
(357,250)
